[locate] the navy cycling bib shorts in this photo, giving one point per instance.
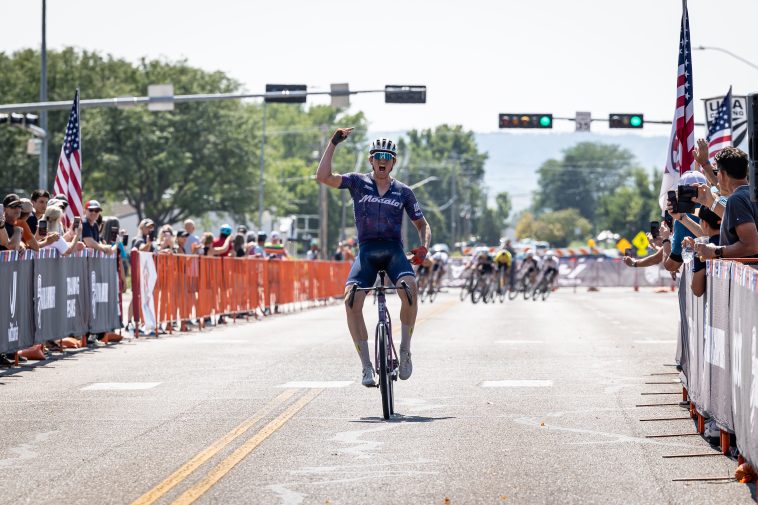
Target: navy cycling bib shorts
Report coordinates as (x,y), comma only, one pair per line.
(379,219)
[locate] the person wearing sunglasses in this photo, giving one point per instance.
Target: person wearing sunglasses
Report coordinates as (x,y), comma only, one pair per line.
(379,201)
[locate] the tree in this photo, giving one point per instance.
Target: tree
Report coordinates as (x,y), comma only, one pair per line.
(451,155)
(587,171)
(559,228)
(630,207)
(503,210)
(198,158)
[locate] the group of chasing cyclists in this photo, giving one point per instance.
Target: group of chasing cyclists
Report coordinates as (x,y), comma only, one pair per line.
(379,201)
(499,272)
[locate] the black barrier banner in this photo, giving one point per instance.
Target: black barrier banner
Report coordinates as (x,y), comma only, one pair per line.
(76,290)
(103,293)
(744,359)
(682,343)
(717,395)
(16,325)
(49,287)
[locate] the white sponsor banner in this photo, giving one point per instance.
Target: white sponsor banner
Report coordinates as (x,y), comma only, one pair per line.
(148,278)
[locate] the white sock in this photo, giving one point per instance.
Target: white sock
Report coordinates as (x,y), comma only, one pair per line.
(406,332)
(362,347)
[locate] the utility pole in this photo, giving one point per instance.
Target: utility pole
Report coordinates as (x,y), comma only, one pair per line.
(454,206)
(323,205)
(43,98)
(261,186)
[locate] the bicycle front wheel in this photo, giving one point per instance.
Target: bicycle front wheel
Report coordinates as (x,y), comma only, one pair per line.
(385,371)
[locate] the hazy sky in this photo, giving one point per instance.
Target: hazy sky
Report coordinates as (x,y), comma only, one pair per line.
(477,57)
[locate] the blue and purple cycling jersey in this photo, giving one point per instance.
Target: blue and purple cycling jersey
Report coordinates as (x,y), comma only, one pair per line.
(380,217)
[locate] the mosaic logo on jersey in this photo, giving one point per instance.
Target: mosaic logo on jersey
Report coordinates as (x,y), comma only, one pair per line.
(383,201)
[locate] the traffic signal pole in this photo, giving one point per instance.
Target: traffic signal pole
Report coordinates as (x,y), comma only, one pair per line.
(130,101)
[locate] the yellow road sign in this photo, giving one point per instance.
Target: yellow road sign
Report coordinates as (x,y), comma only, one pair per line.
(622,245)
(641,242)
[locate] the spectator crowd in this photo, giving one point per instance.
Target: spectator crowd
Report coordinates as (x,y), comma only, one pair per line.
(709,216)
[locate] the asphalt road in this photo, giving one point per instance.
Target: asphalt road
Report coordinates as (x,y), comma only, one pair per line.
(524,402)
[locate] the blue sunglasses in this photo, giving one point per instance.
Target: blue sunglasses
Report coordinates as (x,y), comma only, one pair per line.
(383,156)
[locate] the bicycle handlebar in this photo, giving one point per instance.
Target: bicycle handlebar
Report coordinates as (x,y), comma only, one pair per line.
(403,285)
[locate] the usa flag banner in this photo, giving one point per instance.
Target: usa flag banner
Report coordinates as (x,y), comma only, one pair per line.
(720,129)
(68,178)
(679,158)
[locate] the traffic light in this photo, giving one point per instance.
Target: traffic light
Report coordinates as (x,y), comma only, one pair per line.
(15,119)
(394,93)
(626,120)
(526,120)
(285,89)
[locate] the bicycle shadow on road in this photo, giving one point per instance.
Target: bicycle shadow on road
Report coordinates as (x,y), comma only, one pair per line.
(400,418)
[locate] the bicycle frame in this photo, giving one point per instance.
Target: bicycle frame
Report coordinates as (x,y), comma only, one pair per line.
(391,358)
(386,321)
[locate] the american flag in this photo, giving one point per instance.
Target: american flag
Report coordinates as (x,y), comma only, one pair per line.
(720,130)
(680,158)
(68,179)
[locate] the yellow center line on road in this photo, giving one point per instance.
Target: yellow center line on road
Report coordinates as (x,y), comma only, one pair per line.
(242,451)
(185,470)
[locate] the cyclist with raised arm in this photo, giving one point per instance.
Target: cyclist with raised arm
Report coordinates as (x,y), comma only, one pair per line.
(378,204)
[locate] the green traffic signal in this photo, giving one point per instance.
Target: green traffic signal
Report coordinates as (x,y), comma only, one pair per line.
(635,121)
(545,121)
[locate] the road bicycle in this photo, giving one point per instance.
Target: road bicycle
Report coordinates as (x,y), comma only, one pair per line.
(423,279)
(468,285)
(385,355)
(543,287)
(502,283)
(435,280)
(482,289)
(523,285)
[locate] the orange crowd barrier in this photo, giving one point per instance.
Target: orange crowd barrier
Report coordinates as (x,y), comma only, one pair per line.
(196,287)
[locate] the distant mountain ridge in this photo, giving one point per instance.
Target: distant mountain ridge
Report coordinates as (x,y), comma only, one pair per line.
(515,157)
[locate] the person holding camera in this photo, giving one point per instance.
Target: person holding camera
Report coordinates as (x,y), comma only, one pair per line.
(672,244)
(739,233)
(145,241)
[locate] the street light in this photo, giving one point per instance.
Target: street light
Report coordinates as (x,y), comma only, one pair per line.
(743,60)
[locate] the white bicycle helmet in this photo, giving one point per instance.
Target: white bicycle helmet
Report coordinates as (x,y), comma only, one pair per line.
(385,145)
(440,247)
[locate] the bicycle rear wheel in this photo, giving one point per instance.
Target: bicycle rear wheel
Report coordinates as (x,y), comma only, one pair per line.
(385,373)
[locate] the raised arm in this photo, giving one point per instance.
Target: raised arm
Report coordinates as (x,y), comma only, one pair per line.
(324,173)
